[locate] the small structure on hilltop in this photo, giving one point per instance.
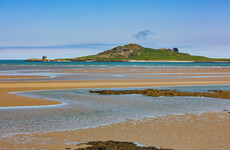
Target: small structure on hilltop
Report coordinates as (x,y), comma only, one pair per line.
(44,57)
(175,50)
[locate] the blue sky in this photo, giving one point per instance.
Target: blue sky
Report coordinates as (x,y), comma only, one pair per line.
(71,28)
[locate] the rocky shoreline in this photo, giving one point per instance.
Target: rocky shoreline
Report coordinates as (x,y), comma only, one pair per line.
(171,93)
(114,145)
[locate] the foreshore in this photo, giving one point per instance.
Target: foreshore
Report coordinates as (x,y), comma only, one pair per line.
(10,100)
(188,131)
(20,77)
(180,132)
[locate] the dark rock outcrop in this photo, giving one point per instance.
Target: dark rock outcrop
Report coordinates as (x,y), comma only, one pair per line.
(116,145)
(157,93)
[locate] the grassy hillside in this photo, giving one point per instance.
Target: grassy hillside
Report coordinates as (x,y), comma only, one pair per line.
(137,52)
(157,54)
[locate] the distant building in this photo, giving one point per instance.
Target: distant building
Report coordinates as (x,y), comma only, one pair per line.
(175,50)
(44,57)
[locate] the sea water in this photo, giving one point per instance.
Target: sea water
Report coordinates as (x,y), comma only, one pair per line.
(6,65)
(51,70)
(81,109)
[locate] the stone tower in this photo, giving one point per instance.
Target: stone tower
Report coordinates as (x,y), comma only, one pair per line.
(175,50)
(44,57)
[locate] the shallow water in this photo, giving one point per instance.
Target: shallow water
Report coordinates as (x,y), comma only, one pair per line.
(22,64)
(81,109)
(53,70)
(82,75)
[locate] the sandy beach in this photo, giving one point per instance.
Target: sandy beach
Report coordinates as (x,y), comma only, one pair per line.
(185,132)
(181,132)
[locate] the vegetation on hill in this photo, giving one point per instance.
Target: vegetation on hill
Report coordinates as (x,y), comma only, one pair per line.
(136,52)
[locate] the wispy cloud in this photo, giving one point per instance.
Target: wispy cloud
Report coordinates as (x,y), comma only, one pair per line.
(142,35)
(89,45)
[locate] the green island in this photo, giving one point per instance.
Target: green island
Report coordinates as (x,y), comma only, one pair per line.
(171,93)
(137,53)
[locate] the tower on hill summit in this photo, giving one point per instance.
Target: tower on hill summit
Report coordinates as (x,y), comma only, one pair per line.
(44,57)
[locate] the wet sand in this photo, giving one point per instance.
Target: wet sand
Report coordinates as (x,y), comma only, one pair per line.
(207,131)
(16,86)
(182,132)
(8,99)
(149,70)
(20,77)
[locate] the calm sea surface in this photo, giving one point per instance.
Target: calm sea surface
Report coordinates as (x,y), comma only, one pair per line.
(6,65)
